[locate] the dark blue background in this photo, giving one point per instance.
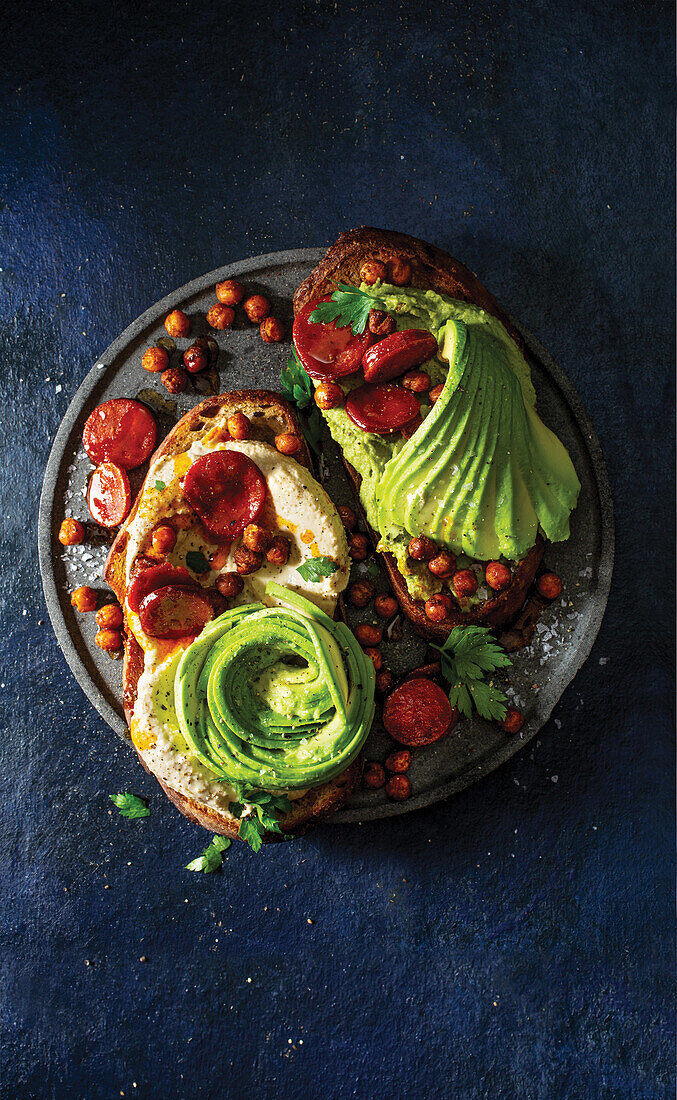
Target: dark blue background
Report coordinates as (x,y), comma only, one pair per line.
(517,940)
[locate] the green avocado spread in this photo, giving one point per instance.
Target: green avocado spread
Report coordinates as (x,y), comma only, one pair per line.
(281,698)
(482,474)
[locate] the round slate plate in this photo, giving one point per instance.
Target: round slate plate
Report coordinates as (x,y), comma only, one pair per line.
(564,635)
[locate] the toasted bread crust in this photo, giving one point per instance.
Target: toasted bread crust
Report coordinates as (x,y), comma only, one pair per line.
(271,415)
(432,269)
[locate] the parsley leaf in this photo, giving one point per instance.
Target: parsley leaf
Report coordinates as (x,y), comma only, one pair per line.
(196,561)
(129,805)
(460,697)
(348,306)
(296,384)
(311,425)
(263,816)
(160,485)
(467,654)
(212,857)
(316,568)
(489,701)
(251,832)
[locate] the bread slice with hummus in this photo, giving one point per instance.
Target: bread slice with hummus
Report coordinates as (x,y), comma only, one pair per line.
(481,475)
(167,727)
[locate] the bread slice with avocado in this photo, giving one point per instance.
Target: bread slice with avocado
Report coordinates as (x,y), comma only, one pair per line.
(476,471)
(195,747)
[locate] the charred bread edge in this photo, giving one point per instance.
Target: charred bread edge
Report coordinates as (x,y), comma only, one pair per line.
(277,415)
(432,269)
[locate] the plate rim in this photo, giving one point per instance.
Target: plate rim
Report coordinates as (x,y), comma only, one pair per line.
(197,286)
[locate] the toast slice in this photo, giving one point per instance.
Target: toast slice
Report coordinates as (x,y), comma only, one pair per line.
(432,269)
(270,415)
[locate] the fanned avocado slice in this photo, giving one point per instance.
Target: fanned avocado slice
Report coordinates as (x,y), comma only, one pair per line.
(482,473)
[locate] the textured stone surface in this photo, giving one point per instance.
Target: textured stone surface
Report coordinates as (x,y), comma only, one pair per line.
(518,939)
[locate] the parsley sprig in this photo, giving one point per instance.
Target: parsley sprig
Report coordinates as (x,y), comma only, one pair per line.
(266,808)
(130,805)
(297,387)
(296,384)
(314,569)
(348,306)
(212,857)
(466,656)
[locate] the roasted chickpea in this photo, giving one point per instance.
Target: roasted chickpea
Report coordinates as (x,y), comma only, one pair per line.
(422,548)
(155,360)
(272,330)
(438,607)
(413,426)
(247,561)
(398,788)
(398,271)
(109,617)
(328,395)
(417,381)
(220,317)
(163,538)
(177,323)
(175,379)
(84,598)
(229,584)
(256,538)
(513,721)
(360,593)
(443,565)
(374,655)
(381,323)
(358,546)
(384,681)
(287,443)
(398,761)
(348,517)
(497,575)
(257,308)
(368,635)
(195,359)
(374,775)
(109,640)
(385,606)
(371,271)
(71,532)
(549,585)
(278,552)
(229,292)
(208,344)
(464,583)
(435,392)
(239,426)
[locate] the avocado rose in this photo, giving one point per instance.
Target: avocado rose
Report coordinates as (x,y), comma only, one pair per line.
(278,697)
